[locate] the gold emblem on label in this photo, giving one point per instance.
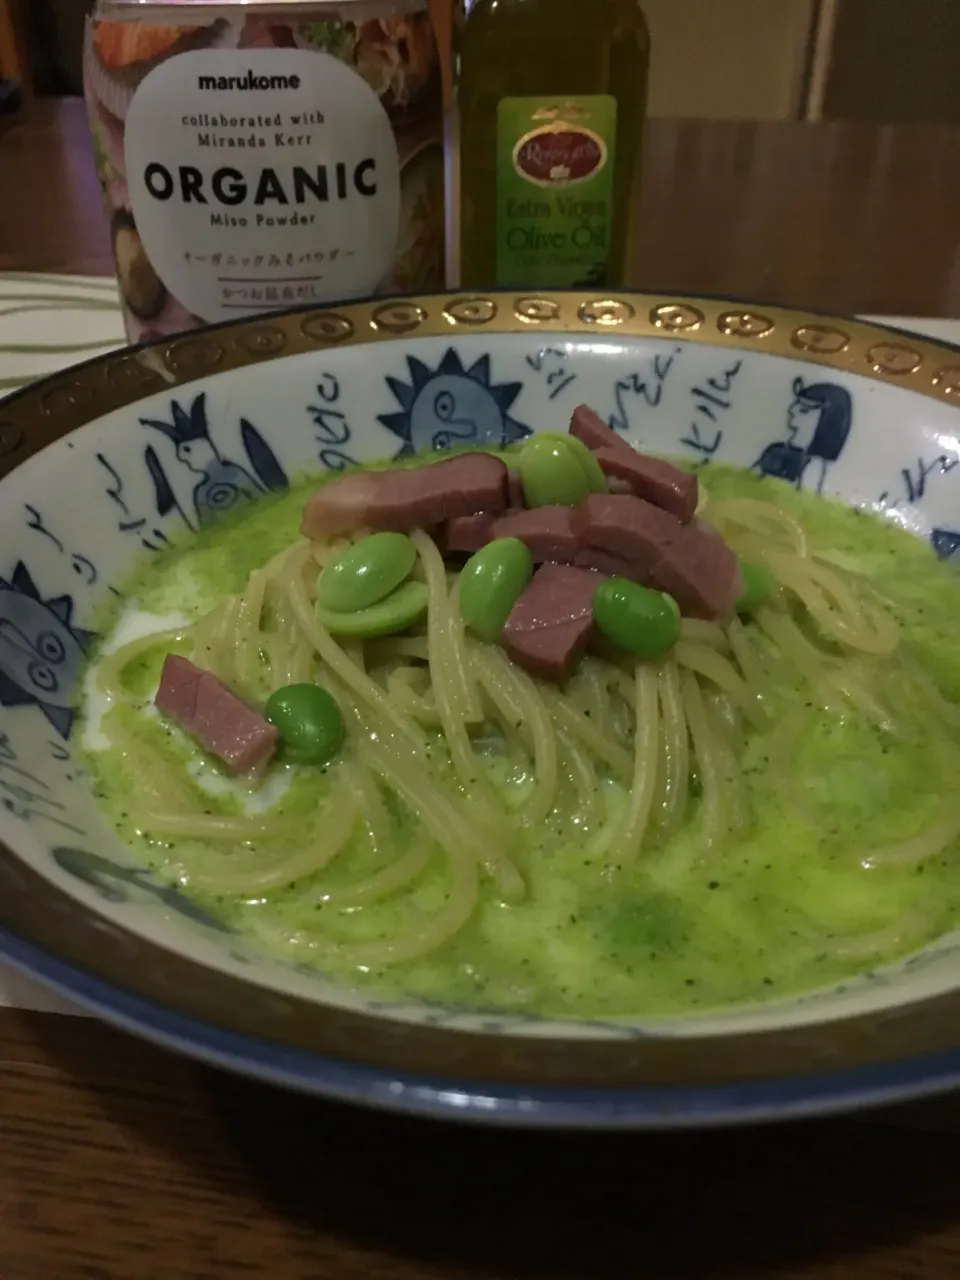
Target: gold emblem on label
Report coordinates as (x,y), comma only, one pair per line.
(560,154)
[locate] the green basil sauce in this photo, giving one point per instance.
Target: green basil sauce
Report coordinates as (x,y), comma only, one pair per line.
(687,930)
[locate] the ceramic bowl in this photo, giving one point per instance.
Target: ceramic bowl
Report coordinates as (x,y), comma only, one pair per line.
(90,489)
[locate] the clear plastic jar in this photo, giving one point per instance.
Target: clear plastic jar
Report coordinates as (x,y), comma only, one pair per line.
(255,157)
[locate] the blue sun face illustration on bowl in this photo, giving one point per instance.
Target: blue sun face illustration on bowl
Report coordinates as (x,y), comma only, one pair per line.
(41,651)
(452,407)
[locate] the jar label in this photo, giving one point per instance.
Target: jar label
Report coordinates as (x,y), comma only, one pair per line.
(555,162)
(255,170)
(254,162)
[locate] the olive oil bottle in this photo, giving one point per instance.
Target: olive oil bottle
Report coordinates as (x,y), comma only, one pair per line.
(552,98)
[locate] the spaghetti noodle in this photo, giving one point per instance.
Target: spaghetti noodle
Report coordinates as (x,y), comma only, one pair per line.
(454,752)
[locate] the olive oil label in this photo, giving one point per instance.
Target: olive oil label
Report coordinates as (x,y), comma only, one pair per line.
(555,163)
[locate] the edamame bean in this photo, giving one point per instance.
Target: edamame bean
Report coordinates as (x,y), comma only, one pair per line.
(636,619)
(308,721)
(759,584)
(553,471)
(491,582)
(366,572)
(591,467)
(399,610)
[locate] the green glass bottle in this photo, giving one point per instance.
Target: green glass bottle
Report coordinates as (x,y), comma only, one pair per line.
(552,99)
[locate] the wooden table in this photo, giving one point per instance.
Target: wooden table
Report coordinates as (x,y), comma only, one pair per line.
(836,217)
(120,1161)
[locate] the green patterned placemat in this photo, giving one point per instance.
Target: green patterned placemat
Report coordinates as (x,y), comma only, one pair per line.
(48,322)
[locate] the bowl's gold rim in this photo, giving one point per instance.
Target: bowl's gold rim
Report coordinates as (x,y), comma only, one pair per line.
(37,911)
(36,415)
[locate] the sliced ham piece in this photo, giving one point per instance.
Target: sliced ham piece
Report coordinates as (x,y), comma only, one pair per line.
(607,562)
(465,534)
(206,709)
(625,525)
(703,576)
(658,482)
(689,562)
(514,490)
(590,429)
(550,625)
(341,505)
(414,498)
(547,532)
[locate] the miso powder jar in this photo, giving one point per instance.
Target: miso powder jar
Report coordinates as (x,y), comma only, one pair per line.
(256,157)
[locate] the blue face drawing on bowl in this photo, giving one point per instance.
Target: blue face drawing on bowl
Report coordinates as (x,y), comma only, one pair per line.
(818,425)
(453,406)
(454,411)
(41,652)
